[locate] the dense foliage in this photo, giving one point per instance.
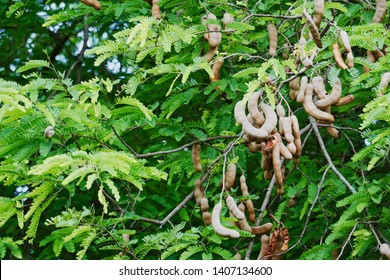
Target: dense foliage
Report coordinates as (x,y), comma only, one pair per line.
(128,94)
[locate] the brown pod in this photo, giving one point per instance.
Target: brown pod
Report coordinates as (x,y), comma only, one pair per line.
(227,18)
(308,62)
(265,161)
(204,204)
(270,118)
(384,249)
(253,147)
(253,108)
(312,110)
(240,116)
(302,89)
(380,11)
(218,227)
(215,37)
(345,100)
(267,175)
(206,218)
(333,132)
(231,204)
(281,114)
(237,256)
(313,29)
(230,176)
(378,53)
(263,229)
(156,10)
(333,97)
(337,56)
(273,39)
(210,54)
(319,10)
(265,240)
(216,68)
(350,62)
(287,128)
(384,83)
(277,167)
(243,224)
(298,146)
(248,202)
(370,57)
(345,41)
(319,87)
(294,87)
(284,151)
(196,157)
(93,3)
(198,191)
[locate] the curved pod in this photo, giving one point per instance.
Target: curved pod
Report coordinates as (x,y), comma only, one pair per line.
(218,227)
(312,110)
(333,97)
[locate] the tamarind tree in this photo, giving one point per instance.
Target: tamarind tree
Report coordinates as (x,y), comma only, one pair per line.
(130,129)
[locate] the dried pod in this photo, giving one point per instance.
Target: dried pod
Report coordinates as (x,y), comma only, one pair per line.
(283,149)
(210,54)
(337,56)
(215,37)
(267,175)
(384,249)
(277,168)
(380,11)
(286,239)
(292,147)
(273,39)
(243,224)
(333,97)
(206,218)
(319,87)
(198,191)
(345,41)
(231,204)
(270,118)
(227,18)
(350,62)
(370,57)
(287,128)
(265,240)
(239,114)
(156,10)
(204,204)
(216,68)
(333,132)
(49,132)
(378,53)
(93,3)
(253,147)
(263,229)
(265,161)
(308,61)
(384,83)
(294,87)
(248,202)
(218,227)
(319,10)
(313,29)
(298,149)
(302,89)
(345,100)
(312,110)
(253,108)
(280,110)
(230,176)
(196,157)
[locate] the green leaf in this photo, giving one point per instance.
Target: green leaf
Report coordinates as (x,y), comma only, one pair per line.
(33,64)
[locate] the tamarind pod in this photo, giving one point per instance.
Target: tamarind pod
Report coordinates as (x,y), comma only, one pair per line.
(243,224)
(280,110)
(198,191)
(286,239)
(333,132)
(218,227)
(294,87)
(251,210)
(49,132)
(237,256)
(312,110)
(281,131)
(378,53)
(273,39)
(345,100)
(210,54)
(333,97)
(231,204)
(313,29)
(302,89)
(380,11)
(196,157)
(93,3)
(156,10)
(319,87)
(215,38)
(263,229)
(239,114)
(204,204)
(267,175)
(345,41)
(264,247)
(241,206)
(384,83)
(270,118)
(227,18)
(370,57)
(284,151)
(291,147)
(277,166)
(265,161)
(216,68)
(273,237)
(350,63)
(206,218)
(318,12)
(243,186)
(337,56)
(308,62)
(247,138)
(279,242)
(384,249)
(287,128)
(295,127)
(253,108)
(298,147)
(126,237)
(253,147)
(230,176)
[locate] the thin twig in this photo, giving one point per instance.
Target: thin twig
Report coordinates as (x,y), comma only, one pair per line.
(347,241)
(177,208)
(124,143)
